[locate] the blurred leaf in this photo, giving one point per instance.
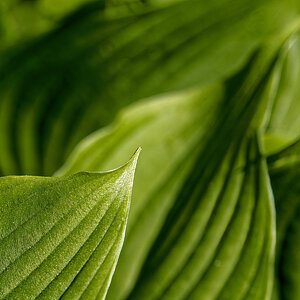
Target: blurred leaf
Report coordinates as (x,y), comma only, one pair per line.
(72,81)
(290,259)
(284,125)
(20,21)
(203,223)
(57,9)
(205,123)
(283,147)
(284,168)
(218,239)
(170,140)
(286,159)
(61,237)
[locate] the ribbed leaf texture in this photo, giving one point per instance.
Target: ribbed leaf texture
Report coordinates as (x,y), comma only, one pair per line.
(61,237)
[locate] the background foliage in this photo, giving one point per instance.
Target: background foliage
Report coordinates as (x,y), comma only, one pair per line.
(209,89)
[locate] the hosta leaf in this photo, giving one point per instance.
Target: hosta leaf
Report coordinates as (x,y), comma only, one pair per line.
(196,121)
(61,237)
(286,159)
(284,125)
(283,134)
(221,245)
(170,140)
(99,60)
(223,213)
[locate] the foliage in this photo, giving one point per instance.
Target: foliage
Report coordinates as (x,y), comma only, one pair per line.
(209,89)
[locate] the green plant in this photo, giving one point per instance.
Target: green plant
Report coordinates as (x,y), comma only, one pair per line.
(210,90)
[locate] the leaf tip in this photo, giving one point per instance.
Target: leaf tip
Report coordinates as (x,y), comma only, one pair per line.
(133,160)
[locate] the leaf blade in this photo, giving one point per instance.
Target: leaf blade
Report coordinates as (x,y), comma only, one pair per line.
(40,250)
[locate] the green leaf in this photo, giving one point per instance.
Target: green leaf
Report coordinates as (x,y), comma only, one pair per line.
(290,260)
(224,212)
(99,61)
(284,168)
(170,140)
(205,120)
(283,147)
(203,222)
(218,240)
(287,194)
(286,159)
(20,21)
(284,125)
(61,237)
(57,9)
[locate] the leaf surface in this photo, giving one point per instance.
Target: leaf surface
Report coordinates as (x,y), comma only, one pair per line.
(223,213)
(197,142)
(166,143)
(61,237)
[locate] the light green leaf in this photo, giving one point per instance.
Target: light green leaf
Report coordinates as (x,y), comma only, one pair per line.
(61,237)
(287,159)
(283,148)
(201,123)
(170,142)
(284,125)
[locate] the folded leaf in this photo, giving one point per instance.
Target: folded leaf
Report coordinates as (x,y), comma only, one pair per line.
(221,244)
(224,212)
(283,147)
(61,237)
(284,125)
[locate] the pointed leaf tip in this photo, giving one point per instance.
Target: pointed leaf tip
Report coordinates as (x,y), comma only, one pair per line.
(69,232)
(134,158)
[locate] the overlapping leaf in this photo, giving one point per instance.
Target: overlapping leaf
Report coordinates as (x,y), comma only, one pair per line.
(220,121)
(61,237)
(284,125)
(169,140)
(221,245)
(223,215)
(283,132)
(284,170)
